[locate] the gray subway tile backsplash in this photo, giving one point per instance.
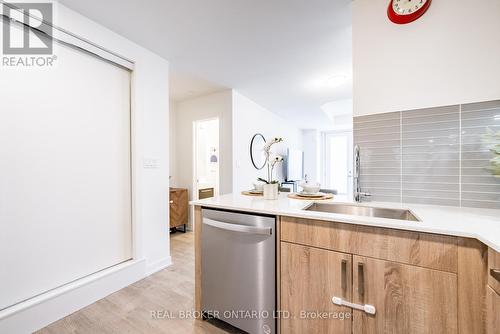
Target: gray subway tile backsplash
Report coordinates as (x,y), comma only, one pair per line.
(478,188)
(377,118)
(435,126)
(420,173)
(430,156)
(368,178)
(379,198)
(383,124)
(424,119)
(433,201)
(382,184)
(377,131)
(486,180)
(432,194)
(436,149)
(480,106)
(481,187)
(481,196)
(388,163)
(445,179)
(370,170)
(426,112)
(479,204)
(379,138)
(432,186)
(431,142)
(439,162)
(488,113)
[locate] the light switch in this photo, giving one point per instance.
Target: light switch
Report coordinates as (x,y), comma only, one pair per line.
(151,163)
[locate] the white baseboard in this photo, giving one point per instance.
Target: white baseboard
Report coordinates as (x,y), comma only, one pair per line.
(40,311)
(156,266)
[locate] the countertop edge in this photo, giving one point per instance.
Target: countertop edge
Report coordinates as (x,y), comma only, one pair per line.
(356,220)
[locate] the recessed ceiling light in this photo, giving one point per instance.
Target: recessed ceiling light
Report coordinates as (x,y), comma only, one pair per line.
(336,80)
(323,84)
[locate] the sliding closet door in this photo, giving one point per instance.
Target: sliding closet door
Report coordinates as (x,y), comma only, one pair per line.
(65,188)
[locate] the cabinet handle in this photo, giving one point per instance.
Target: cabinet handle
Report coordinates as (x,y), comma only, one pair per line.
(344,275)
(361,280)
(370,309)
(172,202)
(495,273)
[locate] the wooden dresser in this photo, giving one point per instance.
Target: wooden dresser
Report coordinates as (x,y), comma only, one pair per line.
(178,208)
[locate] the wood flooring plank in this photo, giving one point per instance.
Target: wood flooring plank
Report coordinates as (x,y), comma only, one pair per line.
(130,310)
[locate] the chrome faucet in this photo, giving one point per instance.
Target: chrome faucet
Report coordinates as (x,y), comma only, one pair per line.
(358,194)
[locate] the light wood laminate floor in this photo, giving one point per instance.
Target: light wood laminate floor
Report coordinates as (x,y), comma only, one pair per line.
(130,309)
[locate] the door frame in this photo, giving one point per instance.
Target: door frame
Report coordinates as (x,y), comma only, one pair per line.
(326,155)
(195,159)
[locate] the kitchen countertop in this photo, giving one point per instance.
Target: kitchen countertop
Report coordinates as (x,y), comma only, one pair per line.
(481,224)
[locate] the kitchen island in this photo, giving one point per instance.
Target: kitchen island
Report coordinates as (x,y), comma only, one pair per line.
(433,275)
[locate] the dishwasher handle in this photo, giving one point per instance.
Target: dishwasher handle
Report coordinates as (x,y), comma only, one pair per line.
(238,228)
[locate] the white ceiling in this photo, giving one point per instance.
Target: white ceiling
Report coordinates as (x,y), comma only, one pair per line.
(278,53)
(184,86)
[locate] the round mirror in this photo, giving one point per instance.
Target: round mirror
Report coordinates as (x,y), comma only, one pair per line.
(257,154)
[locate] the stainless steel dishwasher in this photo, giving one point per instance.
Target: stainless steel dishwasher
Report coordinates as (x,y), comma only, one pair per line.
(238,269)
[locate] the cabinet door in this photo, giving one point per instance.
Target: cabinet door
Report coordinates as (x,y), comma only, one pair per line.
(310,277)
(407,299)
(493,269)
(492,311)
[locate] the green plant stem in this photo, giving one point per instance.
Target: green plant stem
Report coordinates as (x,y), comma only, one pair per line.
(268,172)
(262,180)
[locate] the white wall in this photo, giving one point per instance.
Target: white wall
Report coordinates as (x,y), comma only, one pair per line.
(173,143)
(450,56)
(150,187)
(250,118)
(203,107)
(240,118)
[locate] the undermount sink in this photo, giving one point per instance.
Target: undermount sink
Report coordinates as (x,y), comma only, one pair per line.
(359,210)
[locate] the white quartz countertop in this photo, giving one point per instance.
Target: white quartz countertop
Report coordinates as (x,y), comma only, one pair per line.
(481,224)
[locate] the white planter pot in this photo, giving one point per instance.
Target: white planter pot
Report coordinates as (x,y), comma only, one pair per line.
(271,191)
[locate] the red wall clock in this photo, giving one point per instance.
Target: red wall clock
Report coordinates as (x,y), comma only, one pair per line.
(406,11)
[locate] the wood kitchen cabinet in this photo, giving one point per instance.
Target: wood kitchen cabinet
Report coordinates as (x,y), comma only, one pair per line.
(417,282)
(310,277)
(494,270)
(408,299)
(493,293)
(492,311)
(179,204)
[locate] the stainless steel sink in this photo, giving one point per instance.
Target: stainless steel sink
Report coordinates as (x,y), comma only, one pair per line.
(359,210)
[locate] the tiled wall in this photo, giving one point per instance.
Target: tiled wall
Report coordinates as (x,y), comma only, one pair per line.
(430,156)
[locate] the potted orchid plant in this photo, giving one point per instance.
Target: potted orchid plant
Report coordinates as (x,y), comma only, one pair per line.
(271,186)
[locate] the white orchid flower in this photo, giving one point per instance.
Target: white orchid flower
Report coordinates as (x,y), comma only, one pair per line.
(278,158)
(271,162)
(273,141)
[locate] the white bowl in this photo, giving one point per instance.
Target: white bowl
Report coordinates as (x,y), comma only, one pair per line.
(310,188)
